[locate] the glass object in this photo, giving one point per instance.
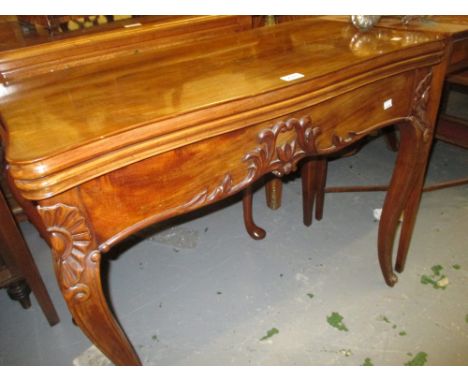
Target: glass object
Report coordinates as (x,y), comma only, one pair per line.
(364,23)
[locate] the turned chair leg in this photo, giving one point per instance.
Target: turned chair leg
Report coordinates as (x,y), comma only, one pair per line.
(273,193)
(19,291)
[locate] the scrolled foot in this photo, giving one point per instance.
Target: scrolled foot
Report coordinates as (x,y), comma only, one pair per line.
(256,233)
(391,280)
(253,230)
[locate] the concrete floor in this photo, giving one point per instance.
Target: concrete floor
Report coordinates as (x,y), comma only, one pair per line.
(204,293)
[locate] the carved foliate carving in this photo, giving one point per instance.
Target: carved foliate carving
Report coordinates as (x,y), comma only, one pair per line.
(419,106)
(71,239)
(268,156)
(281,160)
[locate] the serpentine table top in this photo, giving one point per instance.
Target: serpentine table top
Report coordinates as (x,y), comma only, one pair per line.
(105,138)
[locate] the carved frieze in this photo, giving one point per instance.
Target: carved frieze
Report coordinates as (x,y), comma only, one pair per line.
(268,156)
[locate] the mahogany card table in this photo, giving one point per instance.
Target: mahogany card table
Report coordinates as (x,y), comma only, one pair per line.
(108,133)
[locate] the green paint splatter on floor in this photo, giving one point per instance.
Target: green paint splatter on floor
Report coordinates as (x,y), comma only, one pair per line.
(419,359)
(336,320)
(155,338)
(269,334)
(310,295)
(466,318)
(402,333)
(367,362)
(456,266)
(437,279)
(437,269)
(385,319)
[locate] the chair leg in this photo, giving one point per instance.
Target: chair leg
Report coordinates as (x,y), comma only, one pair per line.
(18,256)
(314,177)
(391,139)
(308,190)
(19,291)
(253,230)
(273,192)
(322,168)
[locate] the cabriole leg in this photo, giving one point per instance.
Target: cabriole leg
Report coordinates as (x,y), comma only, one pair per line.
(410,212)
(77,267)
(406,174)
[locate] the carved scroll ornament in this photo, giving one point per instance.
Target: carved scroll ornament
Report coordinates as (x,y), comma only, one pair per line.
(419,106)
(71,240)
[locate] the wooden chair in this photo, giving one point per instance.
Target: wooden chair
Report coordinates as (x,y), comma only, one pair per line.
(18,271)
(451,129)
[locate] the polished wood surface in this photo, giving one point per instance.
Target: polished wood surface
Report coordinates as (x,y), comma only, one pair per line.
(180,83)
(108,147)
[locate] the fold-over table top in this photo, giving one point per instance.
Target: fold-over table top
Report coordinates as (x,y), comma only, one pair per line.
(49,114)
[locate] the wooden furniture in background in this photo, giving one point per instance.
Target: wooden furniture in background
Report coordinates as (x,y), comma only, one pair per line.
(58,24)
(451,129)
(18,271)
(108,141)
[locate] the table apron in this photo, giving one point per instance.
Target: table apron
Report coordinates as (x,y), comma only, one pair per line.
(124,201)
